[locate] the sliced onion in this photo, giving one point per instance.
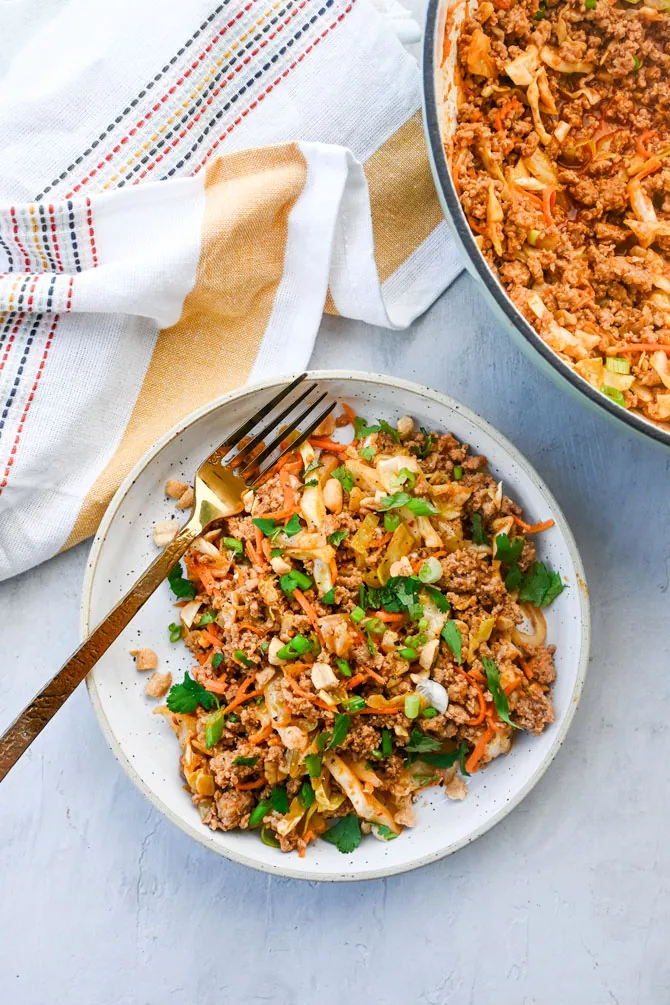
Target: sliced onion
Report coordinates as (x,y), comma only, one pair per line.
(539,633)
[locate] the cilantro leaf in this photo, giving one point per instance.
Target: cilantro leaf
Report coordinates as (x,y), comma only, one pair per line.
(362,429)
(438,599)
(345,834)
(443,760)
(478,532)
(385,832)
(391,521)
(234,544)
(314,466)
(329,597)
(340,729)
(385,427)
(367,453)
(186,697)
(344,477)
(214,728)
(454,640)
(293,526)
(499,696)
(279,799)
(513,579)
(508,550)
(421,507)
(427,445)
(313,765)
(206,618)
(540,586)
(421,743)
(395,501)
(265,525)
(306,796)
(181,587)
(337,537)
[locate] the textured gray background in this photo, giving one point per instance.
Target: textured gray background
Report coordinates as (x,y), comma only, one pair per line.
(103,901)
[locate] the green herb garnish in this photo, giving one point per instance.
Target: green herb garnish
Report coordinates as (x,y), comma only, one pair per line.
(246,762)
(427,445)
(234,544)
(540,586)
(458,473)
(186,697)
(478,532)
(343,667)
(181,587)
(207,618)
(259,811)
(340,730)
(217,660)
(294,579)
(357,615)
(636,63)
(508,550)
(367,453)
(337,537)
(329,597)
(541,11)
(344,477)
(298,646)
(214,728)
(311,468)
(421,743)
(387,742)
(345,834)
(362,429)
(406,477)
(306,796)
(313,765)
(354,704)
(454,640)
(499,696)
(176,631)
(429,713)
(438,599)
(293,526)
(391,521)
(268,838)
(279,799)
(242,658)
(385,832)
(408,653)
(614,394)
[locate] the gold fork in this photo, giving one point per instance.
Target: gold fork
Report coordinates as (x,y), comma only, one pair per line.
(219,488)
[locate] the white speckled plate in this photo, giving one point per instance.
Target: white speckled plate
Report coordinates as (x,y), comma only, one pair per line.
(144,743)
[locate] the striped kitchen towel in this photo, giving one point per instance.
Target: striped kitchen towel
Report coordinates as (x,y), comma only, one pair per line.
(184,187)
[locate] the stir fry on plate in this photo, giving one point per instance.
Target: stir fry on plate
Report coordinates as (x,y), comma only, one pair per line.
(561,159)
(371,626)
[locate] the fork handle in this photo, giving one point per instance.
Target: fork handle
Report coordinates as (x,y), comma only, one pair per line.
(32,720)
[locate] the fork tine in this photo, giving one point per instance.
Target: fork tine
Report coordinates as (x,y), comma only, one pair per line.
(297,442)
(274,443)
(242,430)
(270,427)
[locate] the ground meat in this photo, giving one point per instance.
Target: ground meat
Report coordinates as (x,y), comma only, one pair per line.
(267,727)
(585,265)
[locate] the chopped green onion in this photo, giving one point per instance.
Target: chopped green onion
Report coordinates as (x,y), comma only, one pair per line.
(422,624)
(636,63)
(367,453)
(234,544)
(259,811)
(590,4)
(329,598)
(246,762)
(407,653)
(354,704)
(429,713)
(242,658)
(298,646)
(343,667)
(391,521)
(276,552)
(214,729)
(387,743)
(377,754)
(357,615)
(458,473)
(268,838)
(431,571)
(616,365)
(614,394)
(217,660)
(313,765)
(306,796)
(294,579)
(412,705)
(176,631)
(264,646)
(406,476)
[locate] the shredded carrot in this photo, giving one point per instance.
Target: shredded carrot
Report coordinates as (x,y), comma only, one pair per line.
(260,539)
(502,4)
(262,734)
(324,443)
(252,628)
(207,579)
(548,200)
(356,679)
(503,110)
(472,763)
(283,461)
(375,676)
(385,710)
(480,694)
(215,686)
(349,412)
(526,669)
(513,685)
(239,694)
(251,552)
(332,565)
(282,514)
(287,489)
(391,619)
(532,528)
(644,347)
(307,608)
(208,637)
(641,148)
(267,548)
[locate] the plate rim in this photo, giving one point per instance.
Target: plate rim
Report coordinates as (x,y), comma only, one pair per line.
(283,867)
